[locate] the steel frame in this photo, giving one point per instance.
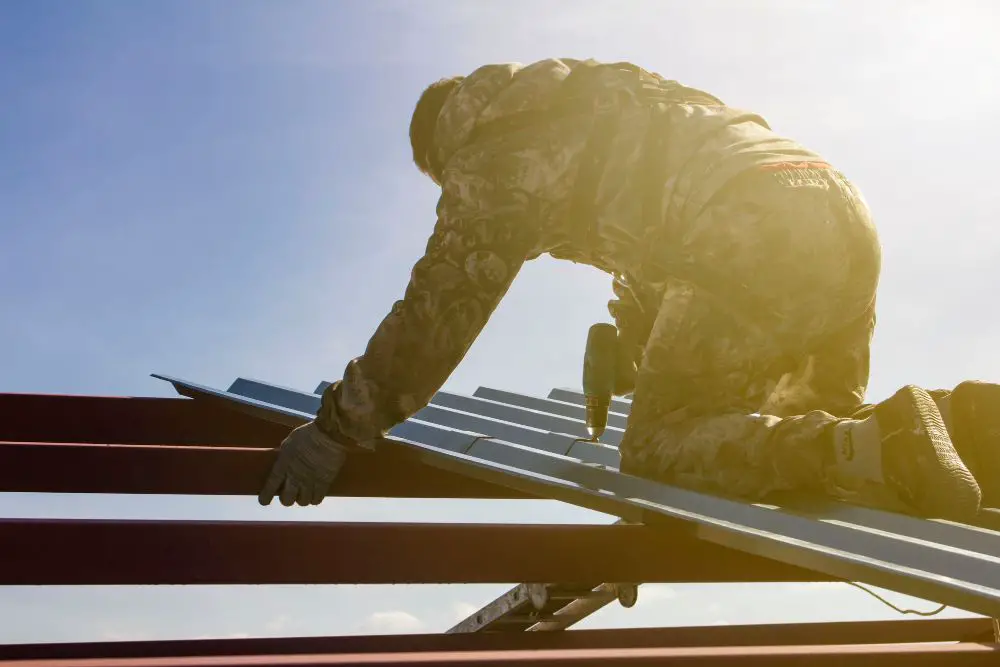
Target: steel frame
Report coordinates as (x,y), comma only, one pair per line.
(180,446)
(146,445)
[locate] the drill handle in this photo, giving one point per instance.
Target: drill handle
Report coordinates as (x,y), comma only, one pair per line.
(600,362)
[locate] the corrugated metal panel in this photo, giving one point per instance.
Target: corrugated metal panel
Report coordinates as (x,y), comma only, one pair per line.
(539,452)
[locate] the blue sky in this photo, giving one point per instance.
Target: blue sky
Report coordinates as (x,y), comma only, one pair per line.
(211,189)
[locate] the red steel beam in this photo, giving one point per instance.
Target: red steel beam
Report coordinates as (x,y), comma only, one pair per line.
(855,632)
(137,421)
(36,467)
(904,655)
(98,552)
(41,437)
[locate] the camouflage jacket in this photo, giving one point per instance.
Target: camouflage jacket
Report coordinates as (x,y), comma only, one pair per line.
(518,153)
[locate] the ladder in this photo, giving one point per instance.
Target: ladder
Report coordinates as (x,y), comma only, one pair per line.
(544,607)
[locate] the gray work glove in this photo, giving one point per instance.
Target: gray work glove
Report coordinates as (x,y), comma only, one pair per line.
(307,464)
(634,325)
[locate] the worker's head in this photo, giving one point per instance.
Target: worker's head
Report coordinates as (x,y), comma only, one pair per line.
(424,121)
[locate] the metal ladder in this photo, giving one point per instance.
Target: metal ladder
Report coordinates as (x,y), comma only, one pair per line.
(549,607)
(545,607)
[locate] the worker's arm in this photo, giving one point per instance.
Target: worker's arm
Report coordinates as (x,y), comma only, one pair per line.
(469,264)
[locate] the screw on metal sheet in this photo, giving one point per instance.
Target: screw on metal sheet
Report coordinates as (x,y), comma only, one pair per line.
(591,464)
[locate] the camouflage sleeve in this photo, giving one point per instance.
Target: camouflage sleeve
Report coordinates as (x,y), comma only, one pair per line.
(470,262)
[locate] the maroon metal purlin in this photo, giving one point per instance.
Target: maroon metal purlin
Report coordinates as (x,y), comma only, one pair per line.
(39,467)
(904,655)
(138,421)
(855,632)
(48,552)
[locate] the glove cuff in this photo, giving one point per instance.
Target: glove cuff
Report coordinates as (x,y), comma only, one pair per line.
(327,421)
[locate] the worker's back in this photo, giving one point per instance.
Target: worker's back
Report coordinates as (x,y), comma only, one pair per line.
(513,136)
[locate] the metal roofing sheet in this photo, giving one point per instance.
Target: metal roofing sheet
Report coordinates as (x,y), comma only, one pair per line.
(539,449)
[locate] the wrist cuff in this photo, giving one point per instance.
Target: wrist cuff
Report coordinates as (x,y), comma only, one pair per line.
(328,423)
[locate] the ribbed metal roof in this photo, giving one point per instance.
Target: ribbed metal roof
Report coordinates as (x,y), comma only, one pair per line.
(538,445)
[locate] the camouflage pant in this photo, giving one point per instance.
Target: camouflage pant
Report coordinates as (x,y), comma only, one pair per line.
(761,340)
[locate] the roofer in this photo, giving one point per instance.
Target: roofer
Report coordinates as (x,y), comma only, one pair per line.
(746,268)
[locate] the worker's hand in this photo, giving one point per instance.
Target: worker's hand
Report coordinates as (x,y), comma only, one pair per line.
(634,325)
(307,464)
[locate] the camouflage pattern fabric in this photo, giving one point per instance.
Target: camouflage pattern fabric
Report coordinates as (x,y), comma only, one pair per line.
(801,242)
(761,340)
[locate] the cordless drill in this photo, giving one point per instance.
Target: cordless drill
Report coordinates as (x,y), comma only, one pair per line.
(599,376)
